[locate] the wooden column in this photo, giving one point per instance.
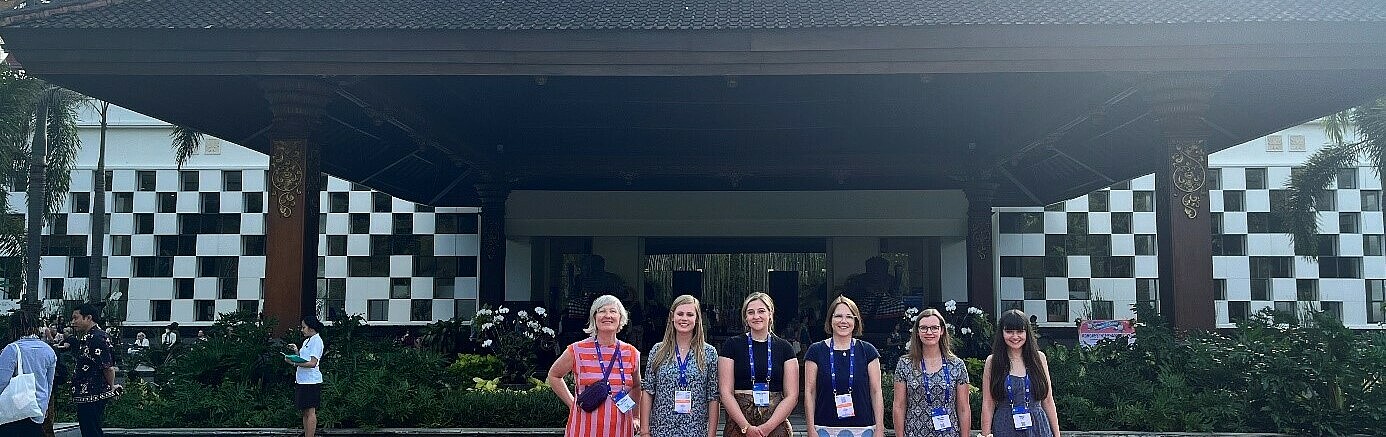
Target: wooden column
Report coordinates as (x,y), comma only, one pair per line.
(491,272)
(1179,101)
(291,224)
(981,282)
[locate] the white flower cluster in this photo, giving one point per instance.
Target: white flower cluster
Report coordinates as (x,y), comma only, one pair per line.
(950,305)
(974,311)
(521,323)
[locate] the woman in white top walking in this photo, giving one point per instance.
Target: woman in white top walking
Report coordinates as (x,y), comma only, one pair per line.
(307,376)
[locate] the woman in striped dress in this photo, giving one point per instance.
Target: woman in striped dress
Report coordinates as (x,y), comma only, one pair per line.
(601,357)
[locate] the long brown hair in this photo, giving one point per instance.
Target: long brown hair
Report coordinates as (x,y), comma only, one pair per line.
(699,337)
(1015,320)
(945,340)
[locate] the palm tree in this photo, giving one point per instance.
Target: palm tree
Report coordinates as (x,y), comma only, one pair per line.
(38,134)
(98,210)
(1357,133)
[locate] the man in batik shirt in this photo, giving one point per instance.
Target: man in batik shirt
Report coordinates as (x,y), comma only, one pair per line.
(93,381)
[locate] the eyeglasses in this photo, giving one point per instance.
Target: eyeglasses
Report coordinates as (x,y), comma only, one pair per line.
(930,329)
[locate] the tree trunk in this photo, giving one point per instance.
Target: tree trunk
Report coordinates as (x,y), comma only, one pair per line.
(98,215)
(38,163)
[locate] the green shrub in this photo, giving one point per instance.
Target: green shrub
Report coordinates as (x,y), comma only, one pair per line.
(470,366)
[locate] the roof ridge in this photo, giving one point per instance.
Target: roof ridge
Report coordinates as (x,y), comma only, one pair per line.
(42,12)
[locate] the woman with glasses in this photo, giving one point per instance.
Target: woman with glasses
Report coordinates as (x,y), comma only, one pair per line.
(931,384)
(1018,399)
(842,378)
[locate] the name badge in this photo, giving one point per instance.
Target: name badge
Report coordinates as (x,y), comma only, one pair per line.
(941,419)
(624,402)
(683,401)
(844,406)
(760,394)
(1022,418)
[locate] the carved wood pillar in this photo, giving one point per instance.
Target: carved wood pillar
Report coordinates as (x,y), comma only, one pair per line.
(981,282)
(291,224)
(491,272)
(1179,102)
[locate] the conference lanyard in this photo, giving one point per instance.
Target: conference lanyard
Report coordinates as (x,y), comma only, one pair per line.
(769,361)
(851,365)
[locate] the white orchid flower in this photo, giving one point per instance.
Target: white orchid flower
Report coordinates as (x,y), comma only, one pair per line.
(486,343)
(951,305)
(503,310)
(548,331)
(974,311)
(965,331)
(522,314)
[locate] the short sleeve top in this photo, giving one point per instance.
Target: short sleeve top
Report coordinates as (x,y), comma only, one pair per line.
(735,348)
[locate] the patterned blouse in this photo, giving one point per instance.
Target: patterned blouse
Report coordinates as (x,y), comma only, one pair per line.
(93,358)
(662,382)
(918,420)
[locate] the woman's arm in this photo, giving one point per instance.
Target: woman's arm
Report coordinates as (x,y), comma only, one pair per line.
(726,372)
(1049,408)
(791,395)
(873,374)
(964,403)
(898,419)
(810,393)
(988,403)
(560,368)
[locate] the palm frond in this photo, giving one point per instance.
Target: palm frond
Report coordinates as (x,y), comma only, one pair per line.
(186,141)
(63,144)
(1370,120)
(1300,218)
(1338,126)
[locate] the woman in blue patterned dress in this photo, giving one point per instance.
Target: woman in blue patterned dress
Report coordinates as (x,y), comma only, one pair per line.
(932,399)
(680,382)
(1018,399)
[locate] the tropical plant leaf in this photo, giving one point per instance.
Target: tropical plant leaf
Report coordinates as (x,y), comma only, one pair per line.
(186,141)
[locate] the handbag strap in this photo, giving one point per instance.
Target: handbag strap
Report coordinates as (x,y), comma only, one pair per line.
(18,359)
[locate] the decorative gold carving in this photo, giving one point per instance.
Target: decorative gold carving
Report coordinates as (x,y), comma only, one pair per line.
(1189,174)
(980,233)
(286,176)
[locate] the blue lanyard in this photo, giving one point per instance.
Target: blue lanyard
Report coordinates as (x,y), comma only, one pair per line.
(616,355)
(769,362)
(683,364)
(851,365)
(947,381)
(1010,394)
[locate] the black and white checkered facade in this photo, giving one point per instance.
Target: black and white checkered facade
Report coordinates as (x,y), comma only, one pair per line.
(1094,256)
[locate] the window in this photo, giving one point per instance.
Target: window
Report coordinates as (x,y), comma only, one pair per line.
(399,288)
(1229,245)
(206,310)
(1264,223)
(358,187)
(255,203)
(1053,207)
(1333,309)
(332,288)
(108,178)
(144,223)
(1147,291)
(175,245)
(1215,220)
(209,223)
(168,202)
(1372,245)
(1347,178)
(1260,289)
(211,203)
(249,306)
(1233,200)
(1279,200)
(120,245)
(421,310)
(454,223)
(253,245)
(1256,178)
(1219,289)
(1326,200)
(369,266)
(1077,223)
(456,266)
(1238,312)
(189,180)
(334,309)
(465,309)
(64,245)
(380,202)
(402,224)
(153,266)
(1079,289)
(1113,266)
(1121,223)
(226,288)
(145,180)
(231,180)
(1286,311)
(57,225)
(183,288)
(1098,201)
(336,245)
(1143,201)
(1102,309)
(124,202)
(1306,290)
(377,310)
(1056,310)
(1376,301)
(1340,267)
(423,208)
(1013,223)
(81,202)
(218,266)
(1349,223)
(1123,185)
(361,223)
(79,266)
(160,310)
(1034,288)
(1371,200)
(1272,267)
(1214,179)
(53,288)
(338,202)
(444,288)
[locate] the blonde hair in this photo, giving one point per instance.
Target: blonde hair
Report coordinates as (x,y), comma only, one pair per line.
(600,302)
(769,305)
(699,337)
(945,340)
(852,307)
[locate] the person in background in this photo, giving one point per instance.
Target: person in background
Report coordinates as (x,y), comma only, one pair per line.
(93,381)
(932,386)
(170,335)
(842,378)
(38,359)
(1018,398)
(307,375)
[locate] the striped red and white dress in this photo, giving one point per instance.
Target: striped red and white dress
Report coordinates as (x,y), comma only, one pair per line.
(606,420)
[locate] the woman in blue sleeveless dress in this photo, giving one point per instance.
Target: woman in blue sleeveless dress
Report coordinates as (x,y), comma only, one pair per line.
(1017,398)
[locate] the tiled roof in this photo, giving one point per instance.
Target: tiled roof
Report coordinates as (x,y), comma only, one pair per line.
(654,15)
